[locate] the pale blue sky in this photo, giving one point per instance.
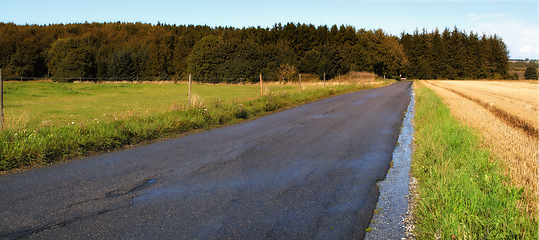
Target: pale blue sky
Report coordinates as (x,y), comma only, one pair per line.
(517,22)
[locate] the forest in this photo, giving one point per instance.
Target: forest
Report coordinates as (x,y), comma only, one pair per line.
(140,51)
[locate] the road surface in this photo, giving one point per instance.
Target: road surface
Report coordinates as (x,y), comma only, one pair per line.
(305,173)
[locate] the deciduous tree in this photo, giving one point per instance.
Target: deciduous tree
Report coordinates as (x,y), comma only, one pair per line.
(287,72)
(69,59)
(531,73)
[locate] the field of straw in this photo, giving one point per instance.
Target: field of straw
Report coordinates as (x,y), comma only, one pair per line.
(506,113)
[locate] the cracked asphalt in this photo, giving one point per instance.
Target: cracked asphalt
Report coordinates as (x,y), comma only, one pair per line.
(305,173)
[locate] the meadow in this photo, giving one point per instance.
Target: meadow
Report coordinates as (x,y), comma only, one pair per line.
(476,169)
(48,122)
(31,105)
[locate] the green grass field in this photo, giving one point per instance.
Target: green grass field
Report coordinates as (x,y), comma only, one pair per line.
(49,122)
(30,105)
(463,194)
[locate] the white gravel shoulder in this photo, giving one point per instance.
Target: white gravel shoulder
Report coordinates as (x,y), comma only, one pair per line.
(392,217)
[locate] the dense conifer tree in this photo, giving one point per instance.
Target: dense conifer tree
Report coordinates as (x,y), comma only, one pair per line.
(455,55)
(151,52)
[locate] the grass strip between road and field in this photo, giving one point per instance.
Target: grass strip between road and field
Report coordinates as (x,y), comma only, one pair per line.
(49,144)
(463,194)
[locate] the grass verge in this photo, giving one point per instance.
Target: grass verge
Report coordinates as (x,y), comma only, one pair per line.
(463,194)
(49,144)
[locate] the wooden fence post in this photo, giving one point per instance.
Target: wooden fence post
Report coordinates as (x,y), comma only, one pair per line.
(1,101)
(189,93)
(261,92)
(300,81)
(324,79)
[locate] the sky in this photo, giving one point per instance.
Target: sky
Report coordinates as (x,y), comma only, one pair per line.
(516,22)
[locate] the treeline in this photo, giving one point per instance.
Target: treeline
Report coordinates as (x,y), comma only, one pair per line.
(131,51)
(455,55)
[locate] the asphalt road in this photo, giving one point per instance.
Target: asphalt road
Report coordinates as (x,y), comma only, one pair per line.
(305,173)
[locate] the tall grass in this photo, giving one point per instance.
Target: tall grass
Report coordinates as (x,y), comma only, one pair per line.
(463,194)
(48,144)
(31,105)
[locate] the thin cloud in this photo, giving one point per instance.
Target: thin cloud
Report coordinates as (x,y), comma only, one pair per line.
(476,17)
(522,39)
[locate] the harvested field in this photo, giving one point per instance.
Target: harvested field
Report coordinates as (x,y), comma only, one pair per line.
(506,113)
(514,101)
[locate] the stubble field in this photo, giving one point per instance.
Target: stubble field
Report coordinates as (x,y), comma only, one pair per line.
(506,113)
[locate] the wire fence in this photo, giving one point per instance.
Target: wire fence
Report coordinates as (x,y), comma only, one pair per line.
(17,113)
(140,79)
(230,80)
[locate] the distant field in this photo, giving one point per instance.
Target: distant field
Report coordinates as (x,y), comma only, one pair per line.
(519,68)
(506,113)
(37,104)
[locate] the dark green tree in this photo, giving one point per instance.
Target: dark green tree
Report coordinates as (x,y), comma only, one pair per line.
(20,65)
(161,54)
(330,62)
(310,62)
(69,59)
(360,59)
(531,73)
(243,61)
(455,55)
(205,59)
(500,58)
(226,53)
(181,52)
(127,64)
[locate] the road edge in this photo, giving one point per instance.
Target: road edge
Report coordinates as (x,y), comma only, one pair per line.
(392,217)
